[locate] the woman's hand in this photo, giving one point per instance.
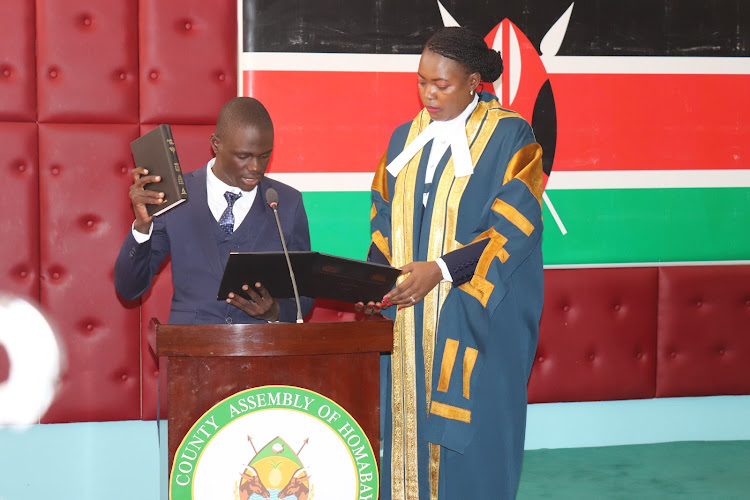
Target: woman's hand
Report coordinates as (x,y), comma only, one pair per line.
(422,277)
(367,310)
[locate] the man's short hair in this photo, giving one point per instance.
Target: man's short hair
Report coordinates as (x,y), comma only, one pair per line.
(243,112)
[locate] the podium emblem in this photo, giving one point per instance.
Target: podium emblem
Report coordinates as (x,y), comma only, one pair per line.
(275,442)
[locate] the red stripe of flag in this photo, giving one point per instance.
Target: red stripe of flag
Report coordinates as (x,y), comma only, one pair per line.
(341,122)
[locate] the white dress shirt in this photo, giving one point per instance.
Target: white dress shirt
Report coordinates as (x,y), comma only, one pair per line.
(215,189)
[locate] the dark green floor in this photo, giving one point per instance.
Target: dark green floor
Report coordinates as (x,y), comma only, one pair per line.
(696,469)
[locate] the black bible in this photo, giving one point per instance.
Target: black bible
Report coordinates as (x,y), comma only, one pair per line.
(156,152)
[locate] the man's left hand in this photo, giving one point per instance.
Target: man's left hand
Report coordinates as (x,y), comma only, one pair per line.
(261,305)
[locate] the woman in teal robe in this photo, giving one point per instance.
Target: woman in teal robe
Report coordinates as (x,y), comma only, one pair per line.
(464,224)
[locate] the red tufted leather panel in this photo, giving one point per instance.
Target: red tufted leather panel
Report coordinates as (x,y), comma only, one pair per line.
(19,261)
(704,331)
(17,71)
(84,175)
(87,61)
(597,336)
(188,58)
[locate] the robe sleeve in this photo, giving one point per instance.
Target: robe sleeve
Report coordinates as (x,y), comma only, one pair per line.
(513,222)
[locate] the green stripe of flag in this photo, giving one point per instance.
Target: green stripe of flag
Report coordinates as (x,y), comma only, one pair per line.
(648,225)
(604,226)
(339,222)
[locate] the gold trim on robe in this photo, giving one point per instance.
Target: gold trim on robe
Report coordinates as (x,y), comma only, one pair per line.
(521,167)
(381,242)
(452,412)
(404,459)
(446,366)
(514,216)
(380,181)
(470,359)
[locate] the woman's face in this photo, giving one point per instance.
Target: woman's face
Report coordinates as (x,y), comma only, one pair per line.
(444,86)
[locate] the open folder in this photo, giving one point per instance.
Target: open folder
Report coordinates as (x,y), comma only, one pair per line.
(318,275)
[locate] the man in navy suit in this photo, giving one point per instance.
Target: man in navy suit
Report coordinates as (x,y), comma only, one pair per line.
(226,212)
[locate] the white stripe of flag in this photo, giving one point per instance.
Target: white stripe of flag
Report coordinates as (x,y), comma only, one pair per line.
(560,180)
(408,63)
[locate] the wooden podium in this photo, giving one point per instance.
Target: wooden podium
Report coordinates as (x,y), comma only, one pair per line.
(208,363)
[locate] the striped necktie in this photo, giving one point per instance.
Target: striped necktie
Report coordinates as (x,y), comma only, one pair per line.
(226,221)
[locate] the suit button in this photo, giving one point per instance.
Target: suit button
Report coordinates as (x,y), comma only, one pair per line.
(229,320)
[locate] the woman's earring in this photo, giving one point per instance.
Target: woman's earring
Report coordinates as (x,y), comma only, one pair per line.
(471,92)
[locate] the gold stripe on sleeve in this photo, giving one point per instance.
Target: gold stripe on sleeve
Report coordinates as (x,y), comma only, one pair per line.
(514,216)
(382,243)
(493,249)
(470,358)
(446,366)
(479,287)
(373,212)
(451,412)
(526,166)
(380,181)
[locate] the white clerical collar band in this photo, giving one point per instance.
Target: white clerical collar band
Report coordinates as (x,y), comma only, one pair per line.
(455,130)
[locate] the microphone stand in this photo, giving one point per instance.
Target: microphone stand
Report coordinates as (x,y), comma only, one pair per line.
(288,262)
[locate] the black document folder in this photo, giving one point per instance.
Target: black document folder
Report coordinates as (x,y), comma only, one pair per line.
(318,275)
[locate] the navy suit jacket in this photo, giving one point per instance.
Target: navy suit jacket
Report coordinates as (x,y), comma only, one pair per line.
(200,249)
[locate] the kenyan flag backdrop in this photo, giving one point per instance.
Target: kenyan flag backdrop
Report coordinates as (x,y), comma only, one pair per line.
(642,108)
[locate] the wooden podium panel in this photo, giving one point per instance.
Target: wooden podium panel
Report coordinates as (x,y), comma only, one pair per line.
(208,363)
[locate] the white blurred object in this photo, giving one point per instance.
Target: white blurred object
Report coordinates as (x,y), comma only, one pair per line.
(34,356)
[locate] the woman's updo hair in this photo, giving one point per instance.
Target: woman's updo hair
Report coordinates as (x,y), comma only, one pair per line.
(469,49)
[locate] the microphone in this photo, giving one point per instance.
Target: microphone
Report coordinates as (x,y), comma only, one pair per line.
(272,198)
